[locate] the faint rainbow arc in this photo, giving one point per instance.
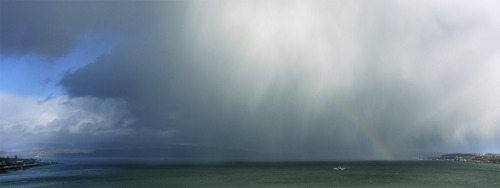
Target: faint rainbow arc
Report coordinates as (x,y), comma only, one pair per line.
(372,137)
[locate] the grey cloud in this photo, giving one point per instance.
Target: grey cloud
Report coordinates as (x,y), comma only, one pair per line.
(301,80)
(40,28)
(267,89)
(51,28)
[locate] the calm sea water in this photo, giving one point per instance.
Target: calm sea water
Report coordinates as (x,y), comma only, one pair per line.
(90,173)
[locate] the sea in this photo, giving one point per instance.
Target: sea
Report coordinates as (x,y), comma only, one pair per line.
(111,173)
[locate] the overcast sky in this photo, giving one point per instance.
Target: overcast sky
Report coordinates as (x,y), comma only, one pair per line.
(277,80)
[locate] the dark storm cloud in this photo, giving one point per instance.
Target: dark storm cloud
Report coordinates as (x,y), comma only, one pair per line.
(37,27)
(292,80)
(51,28)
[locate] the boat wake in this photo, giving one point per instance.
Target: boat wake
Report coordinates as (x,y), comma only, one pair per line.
(339,168)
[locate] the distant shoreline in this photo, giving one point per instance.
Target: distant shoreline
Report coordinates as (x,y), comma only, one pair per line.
(469,157)
(10,164)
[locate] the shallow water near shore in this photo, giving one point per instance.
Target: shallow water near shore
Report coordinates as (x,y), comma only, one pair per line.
(93,173)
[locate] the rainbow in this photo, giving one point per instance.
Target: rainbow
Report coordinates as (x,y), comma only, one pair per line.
(368,133)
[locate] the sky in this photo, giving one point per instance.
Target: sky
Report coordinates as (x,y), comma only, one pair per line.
(252,80)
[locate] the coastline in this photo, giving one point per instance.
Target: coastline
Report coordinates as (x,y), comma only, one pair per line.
(468,157)
(10,164)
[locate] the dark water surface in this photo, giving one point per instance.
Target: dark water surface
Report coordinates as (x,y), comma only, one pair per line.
(91,173)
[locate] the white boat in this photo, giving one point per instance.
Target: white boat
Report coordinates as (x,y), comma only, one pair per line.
(339,168)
